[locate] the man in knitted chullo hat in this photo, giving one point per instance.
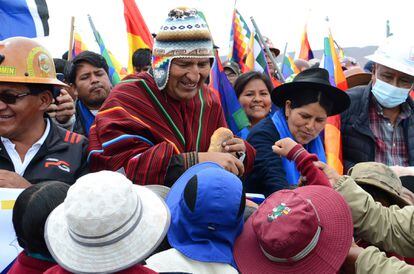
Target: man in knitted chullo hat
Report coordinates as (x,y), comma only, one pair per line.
(157,126)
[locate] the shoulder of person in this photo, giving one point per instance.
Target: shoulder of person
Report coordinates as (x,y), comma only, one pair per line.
(358,96)
(68,137)
(357,92)
(265,127)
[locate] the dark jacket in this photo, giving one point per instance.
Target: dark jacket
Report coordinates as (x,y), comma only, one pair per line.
(78,125)
(358,141)
(62,157)
(268,174)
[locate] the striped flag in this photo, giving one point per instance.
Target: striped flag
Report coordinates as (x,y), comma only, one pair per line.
(78,44)
(289,68)
(305,49)
(138,33)
(236,118)
(27,18)
(113,64)
(256,59)
(333,140)
(239,39)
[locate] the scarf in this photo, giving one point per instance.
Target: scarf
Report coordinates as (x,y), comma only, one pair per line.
(315,146)
(87,117)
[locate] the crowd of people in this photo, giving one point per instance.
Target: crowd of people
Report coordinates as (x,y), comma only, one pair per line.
(143,177)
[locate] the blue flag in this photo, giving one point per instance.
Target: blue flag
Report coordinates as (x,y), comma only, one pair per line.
(236,118)
(26,18)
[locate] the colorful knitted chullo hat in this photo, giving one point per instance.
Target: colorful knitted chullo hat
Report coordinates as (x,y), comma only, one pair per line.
(184,34)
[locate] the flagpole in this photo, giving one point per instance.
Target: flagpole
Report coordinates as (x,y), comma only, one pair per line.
(72,27)
(284,55)
(92,26)
(264,45)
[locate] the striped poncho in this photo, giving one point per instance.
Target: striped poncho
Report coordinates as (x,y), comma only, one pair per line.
(139,129)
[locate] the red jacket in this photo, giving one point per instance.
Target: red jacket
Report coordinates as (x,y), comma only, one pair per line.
(28,265)
(304,163)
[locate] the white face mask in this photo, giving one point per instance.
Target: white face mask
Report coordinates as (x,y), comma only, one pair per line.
(389,96)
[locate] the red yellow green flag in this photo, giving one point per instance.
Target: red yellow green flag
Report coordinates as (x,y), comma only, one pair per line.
(138,33)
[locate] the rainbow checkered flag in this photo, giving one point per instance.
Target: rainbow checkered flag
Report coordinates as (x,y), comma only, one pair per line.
(239,40)
(289,68)
(305,48)
(333,139)
(114,66)
(78,45)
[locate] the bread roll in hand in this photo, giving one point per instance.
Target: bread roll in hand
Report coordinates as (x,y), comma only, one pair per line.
(219,136)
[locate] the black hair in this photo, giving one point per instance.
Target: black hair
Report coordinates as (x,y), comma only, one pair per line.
(65,55)
(309,96)
(90,57)
(369,66)
(60,65)
(245,78)
(39,88)
(31,210)
(141,58)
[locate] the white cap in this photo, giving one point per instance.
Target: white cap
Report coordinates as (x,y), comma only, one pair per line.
(396,53)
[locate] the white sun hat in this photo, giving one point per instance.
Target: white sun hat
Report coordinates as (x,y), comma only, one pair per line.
(106,224)
(397,53)
(160,190)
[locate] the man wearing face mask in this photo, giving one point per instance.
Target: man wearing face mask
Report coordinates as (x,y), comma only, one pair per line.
(379,124)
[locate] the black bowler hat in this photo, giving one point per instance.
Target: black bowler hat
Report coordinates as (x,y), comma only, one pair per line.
(310,80)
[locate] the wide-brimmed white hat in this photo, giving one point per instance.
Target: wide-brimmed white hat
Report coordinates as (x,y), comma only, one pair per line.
(106,224)
(160,190)
(397,52)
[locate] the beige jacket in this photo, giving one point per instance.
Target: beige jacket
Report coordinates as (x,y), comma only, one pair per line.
(391,229)
(372,260)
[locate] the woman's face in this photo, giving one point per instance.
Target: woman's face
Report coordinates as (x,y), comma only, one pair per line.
(255,100)
(305,122)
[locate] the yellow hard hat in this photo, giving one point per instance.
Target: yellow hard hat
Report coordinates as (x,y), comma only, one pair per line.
(23,60)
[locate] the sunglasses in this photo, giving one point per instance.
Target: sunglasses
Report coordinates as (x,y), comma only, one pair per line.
(11,99)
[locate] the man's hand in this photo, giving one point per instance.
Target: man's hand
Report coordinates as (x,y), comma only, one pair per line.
(234,145)
(402,170)
(349,265)
(10,179)
(63,110)
(283,146)
(226,160)
(330,172)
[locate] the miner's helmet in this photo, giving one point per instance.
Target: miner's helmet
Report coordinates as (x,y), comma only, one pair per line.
(23,60)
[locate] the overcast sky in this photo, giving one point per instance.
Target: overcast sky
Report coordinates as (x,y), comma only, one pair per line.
(352,22)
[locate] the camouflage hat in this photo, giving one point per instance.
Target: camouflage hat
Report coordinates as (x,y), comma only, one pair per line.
(233,66)
(380,176)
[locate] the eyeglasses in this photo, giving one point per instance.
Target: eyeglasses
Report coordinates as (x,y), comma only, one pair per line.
(11,99)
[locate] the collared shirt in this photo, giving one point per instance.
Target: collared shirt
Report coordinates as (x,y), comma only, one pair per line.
(390,143)
(19,165)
